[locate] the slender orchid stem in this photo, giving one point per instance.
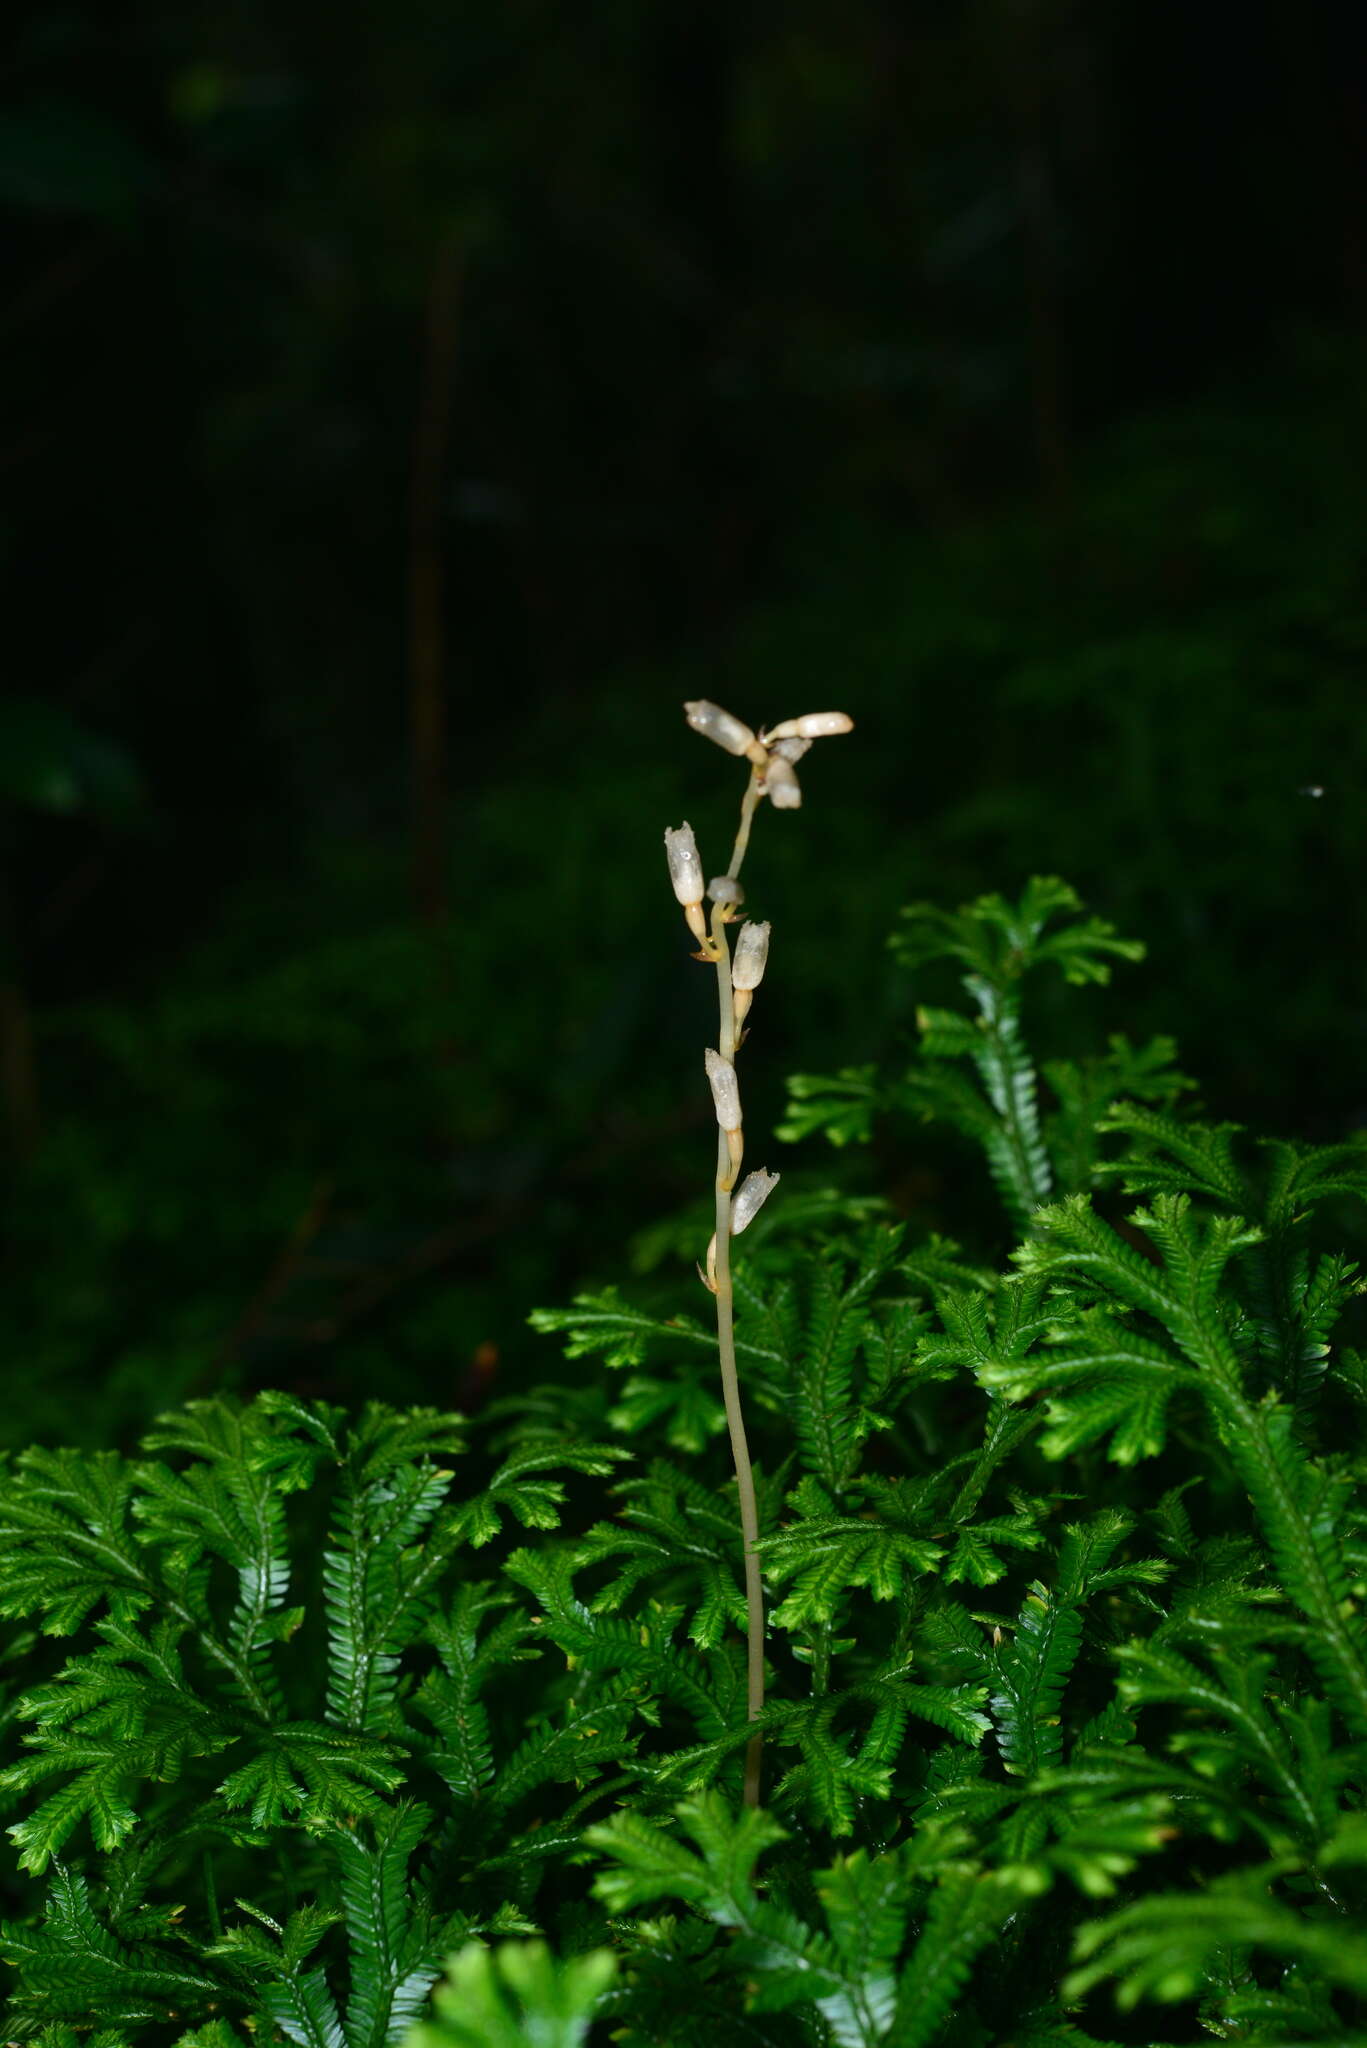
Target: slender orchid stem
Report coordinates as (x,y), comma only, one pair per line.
(747,811)
(772,774)
(730,1379)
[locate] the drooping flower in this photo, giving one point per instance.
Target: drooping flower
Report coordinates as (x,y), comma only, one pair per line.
(781,783)
(752,951)
(813,725)
(751,1195)
(725,1089)
(685,868)
(715,724)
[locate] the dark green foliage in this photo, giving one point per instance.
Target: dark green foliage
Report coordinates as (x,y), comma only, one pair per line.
(1170,1685)
(271,1646)
(1002,944)
(1064,1562)
(847,1967)
(518,1992)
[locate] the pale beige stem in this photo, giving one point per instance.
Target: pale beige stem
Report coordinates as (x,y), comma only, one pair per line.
(747,812)
(728,1166)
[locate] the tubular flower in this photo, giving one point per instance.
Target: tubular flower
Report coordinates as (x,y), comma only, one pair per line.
(715,724)
(685,868)
(813,725)
(726,1098)
(750,1197)
(747,967)
(752,952)
(780,780)
(725,1089)
(685,874)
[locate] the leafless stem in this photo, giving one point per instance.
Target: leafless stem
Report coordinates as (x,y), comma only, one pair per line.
(771,756)
(727,1169)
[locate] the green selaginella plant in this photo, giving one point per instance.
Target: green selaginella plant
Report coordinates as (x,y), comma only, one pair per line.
(1094,1639)
(1064,1556)
(278,1733)
(976,1072)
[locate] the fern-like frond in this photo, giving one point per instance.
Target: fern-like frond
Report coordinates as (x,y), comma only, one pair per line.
(1122,1381)
(1239,1730)
(1169,1155)
(781,1959)
(66,1545)
(393,1536)
(451,1699)
(515,1994)
(374,1589)
(842,1106)
(395,1945)
(1086,1090)
(1031,1674)
(823,1557)
(74,1967)
(1300,1504)
(996,937)
(679,1535)
(1164,1947)
(967,1911)
(574,1746)
(313,1771)
(605,1643)
(603,1324)
(1301,1176)
(849,1742)
(124,1715)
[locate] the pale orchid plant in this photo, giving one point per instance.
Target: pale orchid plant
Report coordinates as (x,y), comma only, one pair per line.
(773,756)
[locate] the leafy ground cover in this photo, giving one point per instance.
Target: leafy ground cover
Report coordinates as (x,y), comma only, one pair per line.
(1064,1562)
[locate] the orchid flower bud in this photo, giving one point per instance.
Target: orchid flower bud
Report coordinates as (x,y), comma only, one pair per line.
(752,951)
(685,868)
(747,968)
(685,872)
(725,1089)
(715,724)
(726,889)
(726,1097)
(813,725)
(782,785)
(751,1195)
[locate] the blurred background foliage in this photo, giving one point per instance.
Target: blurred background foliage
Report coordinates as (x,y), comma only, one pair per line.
(404,410)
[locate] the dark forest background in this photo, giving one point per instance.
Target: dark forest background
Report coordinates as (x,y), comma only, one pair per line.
(404,408)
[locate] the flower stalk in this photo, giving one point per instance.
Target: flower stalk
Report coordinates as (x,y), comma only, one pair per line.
(771,758)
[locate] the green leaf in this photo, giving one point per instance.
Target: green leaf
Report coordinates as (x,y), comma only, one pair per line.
(841,1106)
(1163,1947)
(395,1948)
(967,1910)
(1032,1672)
(650,1864)
(603,1643)
(74,1967)
(1004,940)
(689,1413)
(516,1994)
(603,1324)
